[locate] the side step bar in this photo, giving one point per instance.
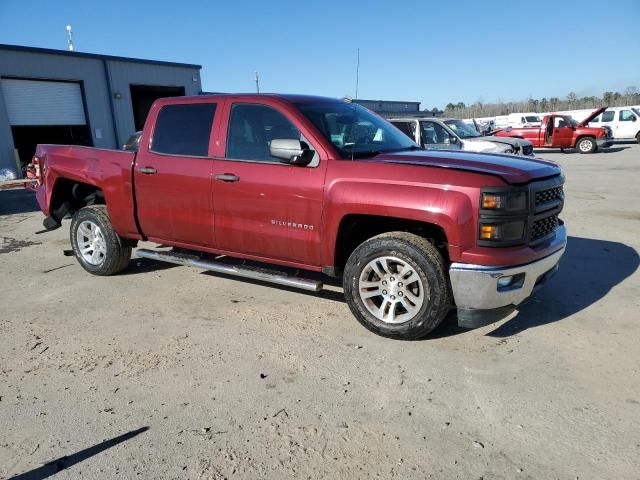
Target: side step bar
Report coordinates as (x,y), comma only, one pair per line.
(239,271)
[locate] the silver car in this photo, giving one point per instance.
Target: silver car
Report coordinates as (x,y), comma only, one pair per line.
(454,134)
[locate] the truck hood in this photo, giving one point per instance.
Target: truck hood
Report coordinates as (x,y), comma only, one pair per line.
(591,116)
(512,169)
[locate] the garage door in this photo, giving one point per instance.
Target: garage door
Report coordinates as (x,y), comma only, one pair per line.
(36,102)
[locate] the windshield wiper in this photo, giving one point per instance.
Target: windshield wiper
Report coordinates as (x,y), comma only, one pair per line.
(365,154)
(404,149)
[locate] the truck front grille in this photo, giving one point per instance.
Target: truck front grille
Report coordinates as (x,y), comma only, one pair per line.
(543,227)
(550,195)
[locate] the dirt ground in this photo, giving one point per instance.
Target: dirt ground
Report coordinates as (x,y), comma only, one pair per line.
(169,372)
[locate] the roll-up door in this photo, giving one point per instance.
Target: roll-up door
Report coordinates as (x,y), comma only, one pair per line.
(38,102)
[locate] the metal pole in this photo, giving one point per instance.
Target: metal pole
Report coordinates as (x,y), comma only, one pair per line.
(257,82)
(357,72)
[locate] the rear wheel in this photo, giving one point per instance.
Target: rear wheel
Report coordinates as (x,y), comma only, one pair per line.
(96,245)
(396,286)
(587,145)
(638,137)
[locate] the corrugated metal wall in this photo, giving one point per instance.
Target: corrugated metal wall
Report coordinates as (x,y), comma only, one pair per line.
(389,105)
(94,79)
(124,74)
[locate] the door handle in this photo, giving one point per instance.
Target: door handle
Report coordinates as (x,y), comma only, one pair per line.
(148,170)
(227,177)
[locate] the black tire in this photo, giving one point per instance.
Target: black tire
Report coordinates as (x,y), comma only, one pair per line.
(117,250)
(587,145)
(425,260)
(638,137)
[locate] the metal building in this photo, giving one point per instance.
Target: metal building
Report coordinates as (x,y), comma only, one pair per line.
(393,108)
(58,96)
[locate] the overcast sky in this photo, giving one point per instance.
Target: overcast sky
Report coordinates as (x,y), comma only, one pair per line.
(412,50)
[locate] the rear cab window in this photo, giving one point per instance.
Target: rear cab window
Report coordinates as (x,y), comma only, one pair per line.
(408,128)
(183,129)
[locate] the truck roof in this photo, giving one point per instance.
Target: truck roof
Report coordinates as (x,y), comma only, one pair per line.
(292,98)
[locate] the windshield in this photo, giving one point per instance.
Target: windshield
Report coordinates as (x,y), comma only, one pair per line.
(462,129)
(355,131)
(532,118)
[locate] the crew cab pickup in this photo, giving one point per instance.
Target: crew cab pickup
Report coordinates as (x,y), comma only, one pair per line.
(562,131)
(311,184)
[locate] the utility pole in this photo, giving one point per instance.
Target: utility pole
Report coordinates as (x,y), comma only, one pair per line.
(357,72)
(69,38)
(257,82)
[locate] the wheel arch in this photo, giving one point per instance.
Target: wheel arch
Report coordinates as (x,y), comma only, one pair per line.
(68,196)
(355,228)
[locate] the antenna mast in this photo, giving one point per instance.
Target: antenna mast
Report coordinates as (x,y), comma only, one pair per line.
(357,72)
(257,82)
(70,38)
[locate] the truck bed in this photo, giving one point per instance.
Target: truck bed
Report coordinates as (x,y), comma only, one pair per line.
(109,171)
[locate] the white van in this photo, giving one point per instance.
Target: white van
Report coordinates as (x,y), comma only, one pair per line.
(624,122)
(518,120)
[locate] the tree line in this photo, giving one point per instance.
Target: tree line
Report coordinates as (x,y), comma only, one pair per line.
(630,96)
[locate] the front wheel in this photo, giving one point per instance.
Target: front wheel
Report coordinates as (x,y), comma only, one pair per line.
(586,145)
(96,245)
(396,286)
(638,137)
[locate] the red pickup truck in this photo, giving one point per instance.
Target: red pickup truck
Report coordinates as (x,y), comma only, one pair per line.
(562,131)
(315,184)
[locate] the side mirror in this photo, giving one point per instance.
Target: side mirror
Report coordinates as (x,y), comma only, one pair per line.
(633,119)
(292,151)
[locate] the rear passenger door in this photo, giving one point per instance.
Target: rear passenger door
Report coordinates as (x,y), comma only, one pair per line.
(265,207)
(607,119)
(173,174)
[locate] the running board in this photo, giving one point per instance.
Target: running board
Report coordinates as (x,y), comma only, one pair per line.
(240,271)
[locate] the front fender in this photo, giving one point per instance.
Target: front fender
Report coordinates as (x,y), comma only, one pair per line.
(451,210)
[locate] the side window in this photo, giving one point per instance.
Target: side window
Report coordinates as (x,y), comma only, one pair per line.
(251,128)
(184,129)
(434,133)
(608,116)
(595,120)
(626,116)
(405,127)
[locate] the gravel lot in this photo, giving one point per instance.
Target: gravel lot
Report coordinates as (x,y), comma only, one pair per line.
(169,372)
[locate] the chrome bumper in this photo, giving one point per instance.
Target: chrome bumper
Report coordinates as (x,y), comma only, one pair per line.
(476,287)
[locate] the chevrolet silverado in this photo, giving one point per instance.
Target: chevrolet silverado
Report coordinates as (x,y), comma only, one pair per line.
(312,184)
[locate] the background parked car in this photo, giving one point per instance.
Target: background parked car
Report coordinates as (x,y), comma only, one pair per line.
(133,142)
(624,122)
(455,134)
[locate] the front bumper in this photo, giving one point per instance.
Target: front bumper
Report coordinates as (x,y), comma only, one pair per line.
(481,299)
(604,142)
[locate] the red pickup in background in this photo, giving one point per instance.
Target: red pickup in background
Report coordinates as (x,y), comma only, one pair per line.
(562,131)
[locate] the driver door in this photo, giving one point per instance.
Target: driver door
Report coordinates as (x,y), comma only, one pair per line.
(264,207)
(562,135)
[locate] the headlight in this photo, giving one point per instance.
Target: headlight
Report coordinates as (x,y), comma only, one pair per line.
(501,232)
(504,201)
